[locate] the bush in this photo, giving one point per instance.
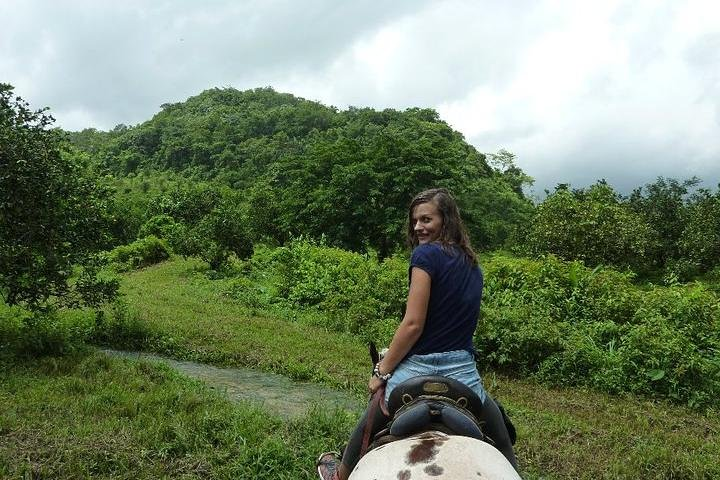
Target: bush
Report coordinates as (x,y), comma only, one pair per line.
(35,334)
(593,226)
(121,328)
(570,325)
(141,253)
(247,293)
(55,214)
(12,320)
(354,293)
(700,241)
(160,226)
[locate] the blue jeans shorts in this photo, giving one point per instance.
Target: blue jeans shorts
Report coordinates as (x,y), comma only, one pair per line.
(458,364)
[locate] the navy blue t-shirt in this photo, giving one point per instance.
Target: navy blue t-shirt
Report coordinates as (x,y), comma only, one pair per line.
(455,293)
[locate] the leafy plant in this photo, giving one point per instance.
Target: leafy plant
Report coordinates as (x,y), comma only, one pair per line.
(141,253)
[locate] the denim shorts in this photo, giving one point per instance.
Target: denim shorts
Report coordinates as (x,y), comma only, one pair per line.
(458,364)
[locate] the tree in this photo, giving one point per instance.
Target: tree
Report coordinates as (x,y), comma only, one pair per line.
(204,220)
(353,183)
(700,240)
(307,169)
(591,225)
(664,207)
(53,217)
(503,162)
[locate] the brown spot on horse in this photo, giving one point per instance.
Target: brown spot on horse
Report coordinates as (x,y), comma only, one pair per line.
(423,452)
(404,475)
(434,470)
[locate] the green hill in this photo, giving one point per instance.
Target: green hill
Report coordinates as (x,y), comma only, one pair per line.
(309,169)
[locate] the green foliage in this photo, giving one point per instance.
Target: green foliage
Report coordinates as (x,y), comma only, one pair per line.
(661,231)
(354,293)
(567,324)
(120,327)
(593,226)
(161,226)
(84,416)
(263,207)
(664,207)
(111,418)
(94,285)
(53,216)
(135,201)
(496,215)
(33,334)
(187,203)
(226,228)
(353,183)
(700,241)
(26,333)
(204,220)
(557,321)
(141,253)
(307,169)
(220,130)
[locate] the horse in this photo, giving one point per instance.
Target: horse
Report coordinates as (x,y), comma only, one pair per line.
(434,433)
(434,455)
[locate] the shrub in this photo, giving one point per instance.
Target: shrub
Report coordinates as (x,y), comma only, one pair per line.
(50,332)
(590,225)
(55,215)
(141,253)
(161,226)
(247,293)
(700,241)
(120,327)
(557,321)
(355,293)
(12,319)
(570,325)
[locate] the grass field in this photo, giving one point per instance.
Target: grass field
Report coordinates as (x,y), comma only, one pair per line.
(151,422)
(89,416)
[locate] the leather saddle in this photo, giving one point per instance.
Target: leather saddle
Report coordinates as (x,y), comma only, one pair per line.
(432,403)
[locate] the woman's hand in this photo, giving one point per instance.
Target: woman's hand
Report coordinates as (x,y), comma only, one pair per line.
(374,384)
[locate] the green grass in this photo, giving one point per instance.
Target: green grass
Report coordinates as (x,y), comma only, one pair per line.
(89,416)
(189,316)
(173,308)
(573,433)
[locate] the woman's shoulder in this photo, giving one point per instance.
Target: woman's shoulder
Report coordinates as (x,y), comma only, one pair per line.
(436,250)
(432,248)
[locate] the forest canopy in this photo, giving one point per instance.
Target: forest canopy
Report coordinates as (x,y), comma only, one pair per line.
(303,168)
(299,168)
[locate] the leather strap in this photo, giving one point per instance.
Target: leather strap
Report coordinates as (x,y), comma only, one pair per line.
(378,400)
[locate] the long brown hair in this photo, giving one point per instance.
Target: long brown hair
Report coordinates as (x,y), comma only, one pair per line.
(453,230)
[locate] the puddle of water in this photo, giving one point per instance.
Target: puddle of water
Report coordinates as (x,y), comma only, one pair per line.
(275,392)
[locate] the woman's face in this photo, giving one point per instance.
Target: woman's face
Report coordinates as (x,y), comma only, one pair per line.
(427,222)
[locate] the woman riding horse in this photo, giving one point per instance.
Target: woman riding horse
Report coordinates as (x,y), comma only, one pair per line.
(435,335)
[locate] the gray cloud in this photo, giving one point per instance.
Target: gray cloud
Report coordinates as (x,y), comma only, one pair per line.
(119,61)
(624,90)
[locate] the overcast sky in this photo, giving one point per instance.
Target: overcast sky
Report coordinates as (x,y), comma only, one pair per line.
(577,90)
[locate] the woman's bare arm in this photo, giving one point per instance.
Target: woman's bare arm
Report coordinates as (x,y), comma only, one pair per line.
(413,322)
